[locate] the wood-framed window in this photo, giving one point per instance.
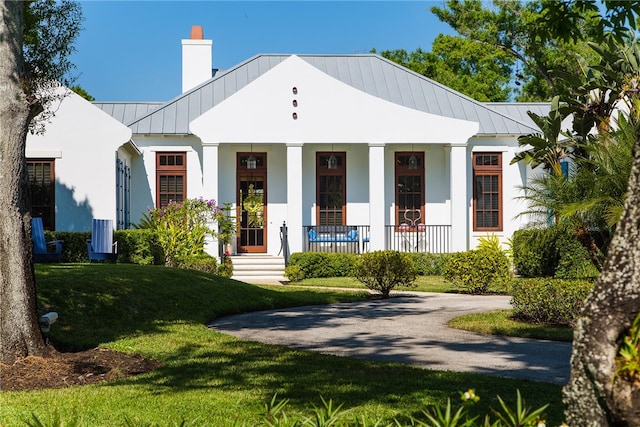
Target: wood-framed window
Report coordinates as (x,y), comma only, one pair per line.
(42,188)
(487,191)
(331,188)
(409,181)
(171,178)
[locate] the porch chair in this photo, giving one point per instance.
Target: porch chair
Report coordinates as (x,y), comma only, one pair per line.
(101,247)
(44,251)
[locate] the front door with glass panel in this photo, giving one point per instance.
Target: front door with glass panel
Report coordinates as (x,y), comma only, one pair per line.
(252,202)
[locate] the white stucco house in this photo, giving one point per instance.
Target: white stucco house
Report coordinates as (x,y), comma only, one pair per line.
(351,152)
(79,168)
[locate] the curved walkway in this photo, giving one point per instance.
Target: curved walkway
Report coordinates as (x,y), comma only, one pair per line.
(411,329)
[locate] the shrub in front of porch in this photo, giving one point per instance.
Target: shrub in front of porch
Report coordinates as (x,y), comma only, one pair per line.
(201,262)
(429,264)
(477,269)
(382,271)
(306,265)
(134,246)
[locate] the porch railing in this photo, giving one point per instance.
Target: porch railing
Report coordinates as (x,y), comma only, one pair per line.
(336,238)
(356,238)
(419,238)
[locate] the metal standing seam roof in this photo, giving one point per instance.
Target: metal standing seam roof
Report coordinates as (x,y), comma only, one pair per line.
(126,112)
(369,73)
(519,110)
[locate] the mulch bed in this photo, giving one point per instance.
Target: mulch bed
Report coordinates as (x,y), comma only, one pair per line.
(59,369)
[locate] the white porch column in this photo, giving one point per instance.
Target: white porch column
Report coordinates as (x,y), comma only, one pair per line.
(210,184)
(210,170)
(376,196)
(294,196)
(459,206)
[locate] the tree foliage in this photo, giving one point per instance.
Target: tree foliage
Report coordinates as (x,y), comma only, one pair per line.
(520,31)
(592,195)
(83,93)
(596,395)
(461,64)
(50,30)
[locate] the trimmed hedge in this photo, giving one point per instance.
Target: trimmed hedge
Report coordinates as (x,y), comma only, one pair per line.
(202,262)
(134,246)
(428,264)
(477,269)
(548,300)
(304,265)
(551,252)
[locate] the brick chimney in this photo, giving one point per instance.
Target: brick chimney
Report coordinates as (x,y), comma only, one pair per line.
(196,59)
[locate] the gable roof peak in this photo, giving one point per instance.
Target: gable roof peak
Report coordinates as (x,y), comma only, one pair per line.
(369,73)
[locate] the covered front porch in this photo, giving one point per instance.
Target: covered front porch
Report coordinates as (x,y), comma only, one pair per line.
(350,208)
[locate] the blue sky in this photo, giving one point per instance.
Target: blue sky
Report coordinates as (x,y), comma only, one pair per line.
(131,50)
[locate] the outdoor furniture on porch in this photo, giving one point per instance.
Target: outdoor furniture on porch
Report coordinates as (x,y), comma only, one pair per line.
(101,247)
(44,251)
(336,239)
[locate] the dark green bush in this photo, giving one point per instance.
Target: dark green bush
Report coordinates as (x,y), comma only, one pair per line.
(551,252)
(533,252)
(428,264)
(382,271)
(74,246)
(573,259)
(293,272)
(134,246)
(225,269)
(548,300)
(304,265)
(202,262)
(138,246)
(475,270)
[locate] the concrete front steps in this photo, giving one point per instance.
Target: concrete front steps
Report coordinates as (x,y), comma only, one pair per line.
(252,268)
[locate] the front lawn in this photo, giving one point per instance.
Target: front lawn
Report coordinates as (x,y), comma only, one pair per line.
(212,379)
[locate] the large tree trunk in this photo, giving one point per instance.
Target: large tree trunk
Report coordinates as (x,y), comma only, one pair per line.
(20,333)
(595,396)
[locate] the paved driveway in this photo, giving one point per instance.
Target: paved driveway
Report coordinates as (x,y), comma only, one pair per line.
(411,329)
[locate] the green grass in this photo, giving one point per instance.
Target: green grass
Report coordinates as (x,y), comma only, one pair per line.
(499,322)
(212,379)
(423,284)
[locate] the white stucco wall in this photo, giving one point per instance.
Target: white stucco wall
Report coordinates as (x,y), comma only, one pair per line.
(83,140)
(327,111)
